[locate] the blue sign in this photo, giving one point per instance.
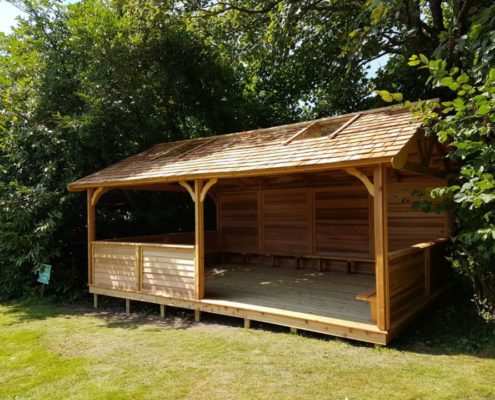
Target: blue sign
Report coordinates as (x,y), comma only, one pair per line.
(44,274)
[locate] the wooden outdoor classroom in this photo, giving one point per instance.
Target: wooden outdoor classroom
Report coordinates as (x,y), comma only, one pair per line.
(316,226)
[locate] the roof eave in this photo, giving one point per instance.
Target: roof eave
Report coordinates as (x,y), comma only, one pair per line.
(79,187)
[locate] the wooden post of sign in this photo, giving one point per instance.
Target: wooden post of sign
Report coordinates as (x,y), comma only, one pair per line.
(91,232)
(380,201)
(199,245)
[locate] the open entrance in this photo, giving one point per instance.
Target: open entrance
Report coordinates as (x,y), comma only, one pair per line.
(295,242)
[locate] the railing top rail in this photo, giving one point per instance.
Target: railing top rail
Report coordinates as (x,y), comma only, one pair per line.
(145,244)
(415,248)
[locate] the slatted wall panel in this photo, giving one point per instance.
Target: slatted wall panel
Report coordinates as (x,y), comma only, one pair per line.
(168,271)
(239,221)
(408,226)
(342,224)
(114,266)
(286,221)
(407,284)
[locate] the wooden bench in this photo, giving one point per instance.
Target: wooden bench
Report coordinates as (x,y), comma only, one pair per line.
(350,260)
(370,297)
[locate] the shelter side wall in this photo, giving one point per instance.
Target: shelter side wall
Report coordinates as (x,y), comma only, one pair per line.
(407,224)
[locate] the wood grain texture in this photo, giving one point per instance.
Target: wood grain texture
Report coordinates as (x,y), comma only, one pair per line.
(409,225)
(164,270)
(115,266)
(380,216)
(332,220)
(417,274)
(239,221)
(91,231)
(199,244)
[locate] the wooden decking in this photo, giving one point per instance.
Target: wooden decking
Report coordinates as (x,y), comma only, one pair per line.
(326,294)
(323,302)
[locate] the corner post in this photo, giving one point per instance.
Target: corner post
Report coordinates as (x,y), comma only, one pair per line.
(199,245)
(380,212)
(91,232)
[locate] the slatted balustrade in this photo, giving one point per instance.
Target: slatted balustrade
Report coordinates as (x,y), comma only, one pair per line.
(151,268)
(416,274)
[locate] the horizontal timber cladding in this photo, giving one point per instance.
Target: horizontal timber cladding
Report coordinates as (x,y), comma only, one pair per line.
(407,283)
(168,271)
(416,275)
(159,269)
(114,266)
(408,225)
(286,221)
(342,220)
(306,221)
(239,219)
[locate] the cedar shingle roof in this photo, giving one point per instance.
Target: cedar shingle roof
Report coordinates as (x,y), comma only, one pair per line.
(373,136)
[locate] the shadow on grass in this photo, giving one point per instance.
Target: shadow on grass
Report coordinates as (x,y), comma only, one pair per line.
(450,326)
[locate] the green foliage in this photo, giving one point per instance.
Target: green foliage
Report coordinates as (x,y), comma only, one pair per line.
(289,54)
(83,86)
(468,127)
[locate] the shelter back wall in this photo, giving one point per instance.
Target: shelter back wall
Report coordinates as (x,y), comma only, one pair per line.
(305,217)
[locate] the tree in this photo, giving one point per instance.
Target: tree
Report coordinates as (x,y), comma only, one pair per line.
(329,43)
(466,123)
(83,86)
(288,54)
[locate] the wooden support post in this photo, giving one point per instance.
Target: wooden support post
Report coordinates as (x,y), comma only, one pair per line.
(91,232)
(162,310)
(380,211)
(247,323)
(199,245)
(197,315)
(293,330)
(95,301)
(127,306)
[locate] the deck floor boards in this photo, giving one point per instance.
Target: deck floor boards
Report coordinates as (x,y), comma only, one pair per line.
(328,293)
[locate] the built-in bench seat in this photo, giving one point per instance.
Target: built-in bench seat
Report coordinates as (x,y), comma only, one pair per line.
(370,297)
(350,259)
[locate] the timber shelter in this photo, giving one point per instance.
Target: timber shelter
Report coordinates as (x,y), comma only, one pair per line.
(315,226)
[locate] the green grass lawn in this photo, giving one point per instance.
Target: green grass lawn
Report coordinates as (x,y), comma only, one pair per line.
(55,352)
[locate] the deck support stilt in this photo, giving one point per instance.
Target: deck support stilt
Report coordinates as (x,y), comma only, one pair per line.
(197,315)
(95,301)
(162,310)
(247,323)
(293,330)
(127,306)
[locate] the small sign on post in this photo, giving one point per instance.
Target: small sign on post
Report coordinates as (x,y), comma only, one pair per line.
(44,274)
